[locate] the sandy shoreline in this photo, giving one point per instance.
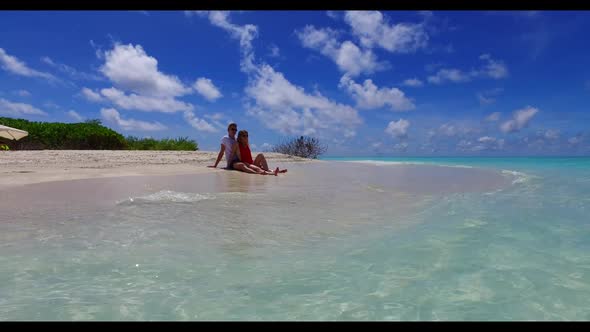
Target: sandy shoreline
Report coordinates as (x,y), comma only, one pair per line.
(27,167)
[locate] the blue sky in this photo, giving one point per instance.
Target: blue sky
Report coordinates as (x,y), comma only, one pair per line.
(366,83)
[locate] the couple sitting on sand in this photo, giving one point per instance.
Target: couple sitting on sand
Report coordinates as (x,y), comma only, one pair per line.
(239,157)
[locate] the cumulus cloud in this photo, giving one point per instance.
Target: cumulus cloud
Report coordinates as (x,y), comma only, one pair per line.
(287,108)
(369,96)
(130,68)
(15,66)
(413,82)
(493,117)
(91,95)
(112,116)
(144,103)
(199,124)
(281,105)
(373,29)
(207,89)
(74,115)
(520,119)
(398,129)
(349,58)
(18,109)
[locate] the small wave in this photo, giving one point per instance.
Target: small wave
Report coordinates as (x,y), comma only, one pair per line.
(171,196)
(390,163)
(518,177)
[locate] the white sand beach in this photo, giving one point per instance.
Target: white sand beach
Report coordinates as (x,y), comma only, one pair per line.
(27,167)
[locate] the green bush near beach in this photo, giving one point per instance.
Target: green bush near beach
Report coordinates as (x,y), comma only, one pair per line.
(178,144)
(89,135)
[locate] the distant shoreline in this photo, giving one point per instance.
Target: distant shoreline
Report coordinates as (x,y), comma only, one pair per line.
(36,166)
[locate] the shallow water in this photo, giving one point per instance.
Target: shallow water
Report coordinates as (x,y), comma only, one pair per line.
(503,240)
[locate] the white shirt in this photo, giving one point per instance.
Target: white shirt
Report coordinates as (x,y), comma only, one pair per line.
(228,143)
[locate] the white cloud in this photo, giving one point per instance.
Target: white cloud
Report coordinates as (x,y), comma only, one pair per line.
(74,115)
(551,134)
(287,108)
(111,115)
(279,104)
(130,68)
(244,33)
(332,14)
(484,99)
(493,68)
(207,89)
(452,75)
(413,82)
(372,28)
(91,95)
(493,117)
(22,93)
(266,147)
(575,140)
(487,139)
(274,51)
(369,96)
(72,72)
(15,66)
(402,147)
(18,109)
(348,57)
(215,116)
(199,124)
(447,130)
(520,119)
(144,103)
(398,128)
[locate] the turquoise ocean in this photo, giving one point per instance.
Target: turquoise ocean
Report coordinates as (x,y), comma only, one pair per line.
(327,241)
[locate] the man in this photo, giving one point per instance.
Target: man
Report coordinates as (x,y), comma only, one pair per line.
(227,143)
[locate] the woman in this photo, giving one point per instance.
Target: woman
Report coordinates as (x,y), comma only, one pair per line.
(244,156)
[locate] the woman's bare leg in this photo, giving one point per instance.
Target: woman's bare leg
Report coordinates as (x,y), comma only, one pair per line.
(260,161)
(244,168)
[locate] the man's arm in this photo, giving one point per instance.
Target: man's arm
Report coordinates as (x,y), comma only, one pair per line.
(219,156)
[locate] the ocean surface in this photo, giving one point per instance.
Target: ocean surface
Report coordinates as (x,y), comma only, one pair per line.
(486,239)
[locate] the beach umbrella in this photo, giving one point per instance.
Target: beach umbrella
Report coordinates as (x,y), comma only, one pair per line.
(12,133)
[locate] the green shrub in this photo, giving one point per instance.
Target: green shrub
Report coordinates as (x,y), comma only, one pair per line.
(178,144)
(89,135)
